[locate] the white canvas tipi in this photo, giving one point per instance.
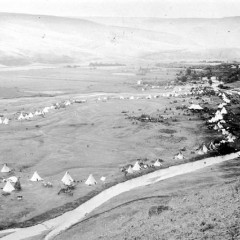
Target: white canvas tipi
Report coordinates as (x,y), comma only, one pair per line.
(136,166)
(30,115)
(130,170)
(5,121)
(179,156)
(5,169)
(21,117)
(91,180)
(157,163)
(204,148)
(36,177)
(8,187)
(67,179)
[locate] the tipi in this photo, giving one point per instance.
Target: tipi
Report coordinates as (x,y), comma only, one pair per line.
(8,187)
(223,111)
(5,121)
(67,179)
(30,115)
(91,180)
(36,177)
(204,148)
(179,156)
(130,170)
(21,117)
(5,169)
(136,166)
(157,163)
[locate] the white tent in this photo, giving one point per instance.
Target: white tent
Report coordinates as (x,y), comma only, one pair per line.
(157,163)
(5,121)
(21,117)
(204,149)
(8,187)
(12,179)
(45,110)
(5,169)
(131,98)
(136,166)
(37,113)
(195,106)
(179,156)
(200,152)
(130,170)
(67,179)
(1,120)
(67,103)
(103,179)
(223,111)
(30,115)
(91,180)
(221,105)
(36,177)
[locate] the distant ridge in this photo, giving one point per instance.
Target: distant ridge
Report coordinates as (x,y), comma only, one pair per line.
(28,39)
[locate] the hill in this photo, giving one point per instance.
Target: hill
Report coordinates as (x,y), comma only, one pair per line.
(27,39)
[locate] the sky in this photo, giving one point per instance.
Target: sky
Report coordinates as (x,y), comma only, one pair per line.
(125,8)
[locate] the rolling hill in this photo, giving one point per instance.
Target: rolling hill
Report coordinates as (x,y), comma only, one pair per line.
(27,39)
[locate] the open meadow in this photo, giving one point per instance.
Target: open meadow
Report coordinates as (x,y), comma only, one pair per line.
(96,137)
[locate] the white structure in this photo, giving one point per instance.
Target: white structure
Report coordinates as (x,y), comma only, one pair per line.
(103,179)
(67,179)
(157,164)
(5,169)
(36,177)
(30,115)
(91,180)
(223,111)
(179,156)
(8,187)
(21,117)
(195,107)
(5,121)
(130,170)
(204,148)
(136,166)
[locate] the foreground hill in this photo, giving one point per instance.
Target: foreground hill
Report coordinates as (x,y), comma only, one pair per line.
(27,39)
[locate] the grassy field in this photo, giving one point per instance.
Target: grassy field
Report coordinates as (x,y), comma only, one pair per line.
(95,137)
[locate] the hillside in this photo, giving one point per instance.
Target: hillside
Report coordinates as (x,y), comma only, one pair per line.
(27,39)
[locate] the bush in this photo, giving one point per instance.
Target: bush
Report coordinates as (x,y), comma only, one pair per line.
(156,210)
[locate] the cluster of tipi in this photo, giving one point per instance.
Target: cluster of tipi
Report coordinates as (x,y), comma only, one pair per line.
(67,180)
(137,167)
(218,120)
(4,121)
(42,112)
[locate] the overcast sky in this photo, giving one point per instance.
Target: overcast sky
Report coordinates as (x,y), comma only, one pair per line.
(125,8)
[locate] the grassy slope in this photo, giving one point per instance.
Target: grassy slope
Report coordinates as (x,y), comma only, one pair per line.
(27,39)
(202,205)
